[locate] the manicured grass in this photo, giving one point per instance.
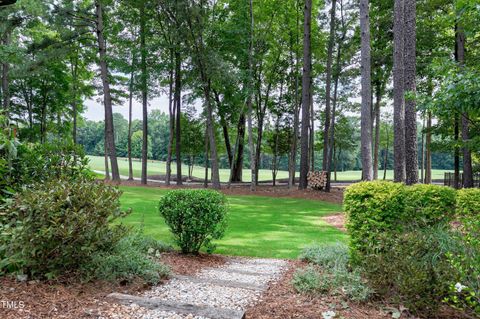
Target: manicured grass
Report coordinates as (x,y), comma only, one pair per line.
(257,226)
(158,168)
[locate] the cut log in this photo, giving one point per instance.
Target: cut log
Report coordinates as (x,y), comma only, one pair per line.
(317,180)
(178,308)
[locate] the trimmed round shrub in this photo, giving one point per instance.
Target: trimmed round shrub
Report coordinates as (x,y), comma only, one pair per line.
(54,227)
(195,217)
(427,205)
(372,208)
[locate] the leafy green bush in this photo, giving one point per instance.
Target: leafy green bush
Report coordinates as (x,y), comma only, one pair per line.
(372,209)
(415,270)
(331,273)
(132,257)
(53,227)
(428,205)
(468,210)
(195,217)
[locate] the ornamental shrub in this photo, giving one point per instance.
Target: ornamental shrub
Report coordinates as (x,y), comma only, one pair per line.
(372,209)
(428,205)
(53,227)
(195,217)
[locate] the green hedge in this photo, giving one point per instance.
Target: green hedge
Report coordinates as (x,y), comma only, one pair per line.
(468,209)
(195,217)
(372,209)
(428,205)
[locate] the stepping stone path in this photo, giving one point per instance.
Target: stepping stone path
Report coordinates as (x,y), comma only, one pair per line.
(213,293)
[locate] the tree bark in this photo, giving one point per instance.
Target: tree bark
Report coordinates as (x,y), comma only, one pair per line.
(171,113)
(326,130)
(366,113)
(292,163)
(237,175)
(306,92)
(178,112)
(130,109)
(467,155)
(143,62)
(411,147)
(107,98)
(428,150)
(456,155)
(376,148)
(253,185)
(398,88)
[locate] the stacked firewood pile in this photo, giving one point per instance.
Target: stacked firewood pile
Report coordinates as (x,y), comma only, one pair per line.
(317,180)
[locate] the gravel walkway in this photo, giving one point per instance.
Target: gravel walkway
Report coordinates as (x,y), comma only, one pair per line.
(215,293)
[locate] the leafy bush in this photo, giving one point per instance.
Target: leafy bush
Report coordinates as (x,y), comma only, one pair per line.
(129,259)
(468,210)
(53,227)
(372,208)
(428,205)
(415,270)
(331,273)
(195,217)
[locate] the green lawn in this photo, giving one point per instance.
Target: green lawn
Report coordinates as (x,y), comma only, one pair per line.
(158,168)
(257,226)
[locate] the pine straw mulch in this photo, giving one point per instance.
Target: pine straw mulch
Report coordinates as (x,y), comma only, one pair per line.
(70,298)
(336,220)
(281,301)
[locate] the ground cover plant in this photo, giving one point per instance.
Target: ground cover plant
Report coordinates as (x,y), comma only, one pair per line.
(258,225)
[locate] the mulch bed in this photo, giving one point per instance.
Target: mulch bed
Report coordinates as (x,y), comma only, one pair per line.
(281,301)
(336,220)
(69,298)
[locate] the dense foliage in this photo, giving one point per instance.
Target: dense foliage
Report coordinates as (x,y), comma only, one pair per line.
(195,217)
(53,227)
(402,239)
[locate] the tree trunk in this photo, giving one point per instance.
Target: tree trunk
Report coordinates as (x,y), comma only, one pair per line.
(105,148)
(143,63)
(253,185)
(178,111)
(398,98)
(422,168)
(237,175)
(130,109)
(376,149)
(107,98)
(366,114)
(205,180)
(467,155)
(326,130)
(411,147)
(428,150)
(292,163)
(223,122)
(171,113)
(306,92)
(74,73)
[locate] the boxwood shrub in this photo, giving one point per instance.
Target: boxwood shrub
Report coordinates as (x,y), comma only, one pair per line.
(372,209)
(195,217)
(428,205)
